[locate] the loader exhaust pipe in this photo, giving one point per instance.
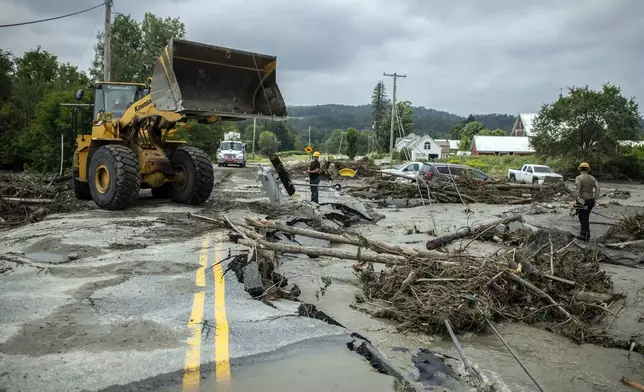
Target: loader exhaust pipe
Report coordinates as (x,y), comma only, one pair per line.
(200,80)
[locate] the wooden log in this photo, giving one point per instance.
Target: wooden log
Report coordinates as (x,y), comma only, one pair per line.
(520,201)
(626,244)
(263,244)
(330,252)
(540,293)
(26,200)
(633,384)
(589,296)
(444,240)
(359,241)
(562,280)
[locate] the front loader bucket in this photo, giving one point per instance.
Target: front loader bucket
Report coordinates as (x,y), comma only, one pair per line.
(200,80)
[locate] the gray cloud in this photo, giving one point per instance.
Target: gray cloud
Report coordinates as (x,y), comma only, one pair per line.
(467,56)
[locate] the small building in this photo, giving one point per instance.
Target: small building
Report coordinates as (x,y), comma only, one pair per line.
(523,125)
(448,146)
(421,147)
(501,145)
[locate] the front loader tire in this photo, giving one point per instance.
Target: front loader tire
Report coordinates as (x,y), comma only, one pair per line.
(114,177)
(194,178)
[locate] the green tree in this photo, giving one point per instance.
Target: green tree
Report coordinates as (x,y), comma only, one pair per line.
(284,132)
(405,117)
(352,142)
(135,46)
(488,132)
(332,143)
(380,112)
(248,133)
(467,134)
(6,76)
(268,143)
(586,123)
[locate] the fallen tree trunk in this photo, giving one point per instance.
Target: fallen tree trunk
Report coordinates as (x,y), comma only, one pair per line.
(359,241)
(589,296)
(263,244)
(448,239)
(627,244)
(331,252)
(25,200)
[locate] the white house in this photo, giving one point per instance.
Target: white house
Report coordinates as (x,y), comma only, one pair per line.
(523,125)
(421,147)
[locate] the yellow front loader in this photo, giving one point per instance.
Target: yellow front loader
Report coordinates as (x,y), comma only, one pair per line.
(128,148)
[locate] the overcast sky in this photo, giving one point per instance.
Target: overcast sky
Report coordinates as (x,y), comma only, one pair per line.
(465,56)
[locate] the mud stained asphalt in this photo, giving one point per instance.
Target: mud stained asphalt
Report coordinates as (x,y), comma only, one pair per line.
(147,306)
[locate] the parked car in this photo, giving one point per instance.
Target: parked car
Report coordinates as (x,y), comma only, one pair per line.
(408,169)
(534,174)
(434,170)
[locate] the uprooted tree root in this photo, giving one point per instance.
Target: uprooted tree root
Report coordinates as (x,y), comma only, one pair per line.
(462,189)
(421,294)
(628,228)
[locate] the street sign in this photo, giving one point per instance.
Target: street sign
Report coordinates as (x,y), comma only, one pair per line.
(308,149)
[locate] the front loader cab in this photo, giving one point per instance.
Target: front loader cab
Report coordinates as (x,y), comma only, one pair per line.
(115,98)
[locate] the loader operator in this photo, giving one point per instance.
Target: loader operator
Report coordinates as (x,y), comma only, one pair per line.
(314,176)
(587,192)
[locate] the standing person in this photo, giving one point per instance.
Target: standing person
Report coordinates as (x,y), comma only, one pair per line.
(587,192)
(314,176)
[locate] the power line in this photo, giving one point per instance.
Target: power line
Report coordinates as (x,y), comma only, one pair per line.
(54,18)
(91,35)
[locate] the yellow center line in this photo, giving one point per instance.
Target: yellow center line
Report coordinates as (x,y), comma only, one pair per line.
(222,353)
(191,374)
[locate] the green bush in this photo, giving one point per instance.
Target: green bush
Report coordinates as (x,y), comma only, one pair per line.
(290,153)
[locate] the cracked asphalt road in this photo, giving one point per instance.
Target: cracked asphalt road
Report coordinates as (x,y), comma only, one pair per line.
(147,306)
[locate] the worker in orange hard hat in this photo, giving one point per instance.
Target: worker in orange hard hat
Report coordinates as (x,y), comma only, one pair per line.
(587,192)
(314,177)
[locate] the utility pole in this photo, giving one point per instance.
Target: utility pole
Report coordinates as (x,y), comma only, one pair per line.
(254,132)
(393,108)
(309,141)
(107,50)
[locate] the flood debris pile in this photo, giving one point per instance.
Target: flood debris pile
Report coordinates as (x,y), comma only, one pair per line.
(547,280)
(618,194)
(628,228)
(463,189)
(28,197)
(364,167)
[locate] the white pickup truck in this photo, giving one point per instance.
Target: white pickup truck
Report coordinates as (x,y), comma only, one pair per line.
(534,174)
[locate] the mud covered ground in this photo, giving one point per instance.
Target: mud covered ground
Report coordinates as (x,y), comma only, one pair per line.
(134,271)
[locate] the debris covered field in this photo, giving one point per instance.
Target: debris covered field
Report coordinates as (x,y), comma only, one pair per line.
(467,254)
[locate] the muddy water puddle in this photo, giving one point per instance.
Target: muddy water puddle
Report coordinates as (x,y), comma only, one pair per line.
(321,367)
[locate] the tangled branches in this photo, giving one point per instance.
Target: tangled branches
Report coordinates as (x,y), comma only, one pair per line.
(457,189)
(629,228)
(517,285)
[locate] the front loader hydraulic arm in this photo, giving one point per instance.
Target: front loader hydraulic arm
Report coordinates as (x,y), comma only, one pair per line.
(143,109)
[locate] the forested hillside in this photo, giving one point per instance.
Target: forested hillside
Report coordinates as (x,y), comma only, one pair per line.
(426,121)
